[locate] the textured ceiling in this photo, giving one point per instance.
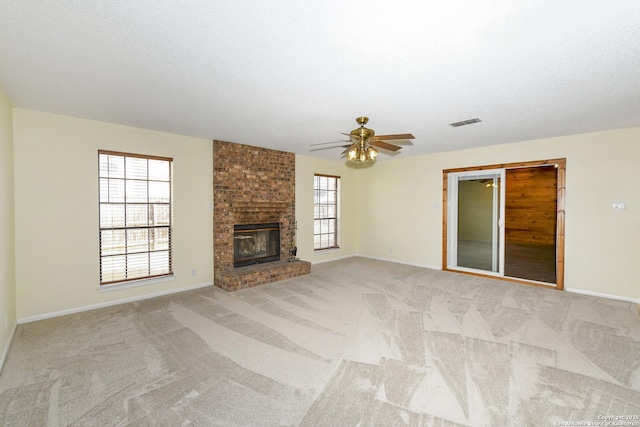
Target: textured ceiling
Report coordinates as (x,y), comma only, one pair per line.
(287,74)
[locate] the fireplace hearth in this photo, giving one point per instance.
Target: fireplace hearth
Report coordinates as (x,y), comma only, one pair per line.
(255,243)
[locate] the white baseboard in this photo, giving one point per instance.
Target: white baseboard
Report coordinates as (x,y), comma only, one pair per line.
(6,347)
(333,259)
(108,304)
(378,259)
(599,295)
(413,264)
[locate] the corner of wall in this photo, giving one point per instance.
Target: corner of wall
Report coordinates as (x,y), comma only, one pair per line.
(7,228)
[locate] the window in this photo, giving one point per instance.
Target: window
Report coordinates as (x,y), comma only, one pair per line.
(135,217)
(326,197)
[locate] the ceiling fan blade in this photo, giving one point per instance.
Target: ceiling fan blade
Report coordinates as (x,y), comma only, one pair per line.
(325,143)
(396,136)
(385,145)
(329,148)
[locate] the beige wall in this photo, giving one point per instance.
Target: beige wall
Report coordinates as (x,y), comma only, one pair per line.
(401,218)
(7,258)
(306,167)
(56,200)
(399,211)
(390,211)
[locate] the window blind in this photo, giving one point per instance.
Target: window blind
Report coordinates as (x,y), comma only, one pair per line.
(135,216)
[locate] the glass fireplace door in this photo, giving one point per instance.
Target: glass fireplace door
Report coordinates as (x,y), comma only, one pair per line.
(255,243)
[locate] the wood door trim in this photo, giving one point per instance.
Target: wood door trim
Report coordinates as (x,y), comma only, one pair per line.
(548,162)
(561,165)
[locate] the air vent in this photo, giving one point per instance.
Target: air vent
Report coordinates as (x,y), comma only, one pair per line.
(465,122)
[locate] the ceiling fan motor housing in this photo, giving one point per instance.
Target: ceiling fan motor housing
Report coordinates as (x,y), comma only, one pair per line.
(362,134)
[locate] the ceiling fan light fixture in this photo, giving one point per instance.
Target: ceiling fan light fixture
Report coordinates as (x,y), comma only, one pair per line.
(362,153)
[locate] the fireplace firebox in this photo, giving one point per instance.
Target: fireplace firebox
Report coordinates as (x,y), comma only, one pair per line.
(256,243)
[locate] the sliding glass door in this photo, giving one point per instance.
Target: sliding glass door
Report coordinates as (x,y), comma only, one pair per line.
(506,221)
(476,204)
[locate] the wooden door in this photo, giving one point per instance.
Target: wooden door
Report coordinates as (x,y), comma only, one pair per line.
(531,223)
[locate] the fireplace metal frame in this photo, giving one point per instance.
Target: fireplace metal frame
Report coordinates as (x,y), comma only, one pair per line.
(244,238)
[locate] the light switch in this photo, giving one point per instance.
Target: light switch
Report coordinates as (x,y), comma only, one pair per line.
(619,206)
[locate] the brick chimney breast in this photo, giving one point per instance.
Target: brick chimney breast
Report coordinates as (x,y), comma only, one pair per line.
(252,185)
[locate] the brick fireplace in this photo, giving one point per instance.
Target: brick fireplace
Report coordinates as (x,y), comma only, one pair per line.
(252,185)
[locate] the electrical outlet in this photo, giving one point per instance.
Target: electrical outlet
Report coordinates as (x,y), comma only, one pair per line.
(390,250)
(619,206)
(194,271)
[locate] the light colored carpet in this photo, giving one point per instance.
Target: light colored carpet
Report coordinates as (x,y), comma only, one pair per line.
(357,342)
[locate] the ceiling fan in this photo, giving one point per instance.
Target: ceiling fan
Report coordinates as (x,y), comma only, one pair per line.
(364,141)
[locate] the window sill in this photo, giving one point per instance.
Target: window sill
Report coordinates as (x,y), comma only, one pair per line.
(326,251)
(135,284)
